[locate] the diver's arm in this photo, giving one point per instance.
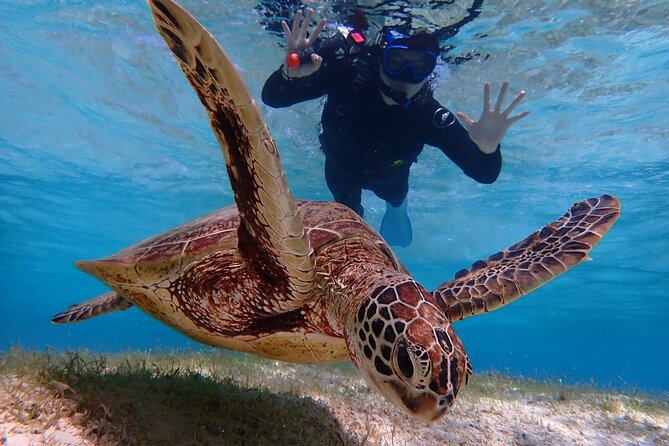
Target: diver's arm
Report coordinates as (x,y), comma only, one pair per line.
(447,134)
(281,91)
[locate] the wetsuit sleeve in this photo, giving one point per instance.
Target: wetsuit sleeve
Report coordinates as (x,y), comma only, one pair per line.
(281,92)
(445,132)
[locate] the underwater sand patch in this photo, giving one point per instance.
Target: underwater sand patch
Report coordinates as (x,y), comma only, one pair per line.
(220,398)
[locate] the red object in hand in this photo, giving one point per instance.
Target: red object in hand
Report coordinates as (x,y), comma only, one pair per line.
(293,60)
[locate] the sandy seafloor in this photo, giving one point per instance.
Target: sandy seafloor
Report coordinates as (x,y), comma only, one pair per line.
(187,398)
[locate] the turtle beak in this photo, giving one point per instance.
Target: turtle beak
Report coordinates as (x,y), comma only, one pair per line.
(423,406)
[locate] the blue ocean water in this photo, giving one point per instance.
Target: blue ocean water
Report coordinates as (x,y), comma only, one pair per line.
(103,143)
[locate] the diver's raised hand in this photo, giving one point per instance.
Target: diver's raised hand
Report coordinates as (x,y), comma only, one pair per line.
(296,40)
(489,130)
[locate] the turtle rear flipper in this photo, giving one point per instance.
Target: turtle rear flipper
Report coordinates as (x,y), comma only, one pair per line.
(530,263)
(272,239)
(97,306)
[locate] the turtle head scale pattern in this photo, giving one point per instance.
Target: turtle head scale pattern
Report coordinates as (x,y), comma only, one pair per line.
(405,346)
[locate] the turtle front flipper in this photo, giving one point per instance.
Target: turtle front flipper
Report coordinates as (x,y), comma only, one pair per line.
(272,239)
(530,263)
(97,306)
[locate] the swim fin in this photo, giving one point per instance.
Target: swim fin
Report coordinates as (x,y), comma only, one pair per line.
(396,226)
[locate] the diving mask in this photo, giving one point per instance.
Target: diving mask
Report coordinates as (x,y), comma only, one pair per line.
(409,59)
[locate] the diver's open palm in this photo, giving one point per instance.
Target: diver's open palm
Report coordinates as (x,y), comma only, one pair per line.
(296,40)
(489,130)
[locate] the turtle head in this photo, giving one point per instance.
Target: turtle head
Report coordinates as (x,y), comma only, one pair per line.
(406,348)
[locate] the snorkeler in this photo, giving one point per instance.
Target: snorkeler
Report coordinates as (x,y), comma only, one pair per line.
(380,112)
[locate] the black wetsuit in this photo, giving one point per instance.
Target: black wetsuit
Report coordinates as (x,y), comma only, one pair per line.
(369,144)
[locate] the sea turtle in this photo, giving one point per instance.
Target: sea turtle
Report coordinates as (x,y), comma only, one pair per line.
(311,282)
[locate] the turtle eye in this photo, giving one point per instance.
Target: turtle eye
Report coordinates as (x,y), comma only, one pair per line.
(404,363)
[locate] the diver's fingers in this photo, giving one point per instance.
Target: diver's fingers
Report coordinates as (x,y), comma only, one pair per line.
(486,97)
(314,34)
(518,117)
(305,24)
(515,102)
(316,60)
(502,95)
(286,30)
(296,24)
(465,119)
(290,43)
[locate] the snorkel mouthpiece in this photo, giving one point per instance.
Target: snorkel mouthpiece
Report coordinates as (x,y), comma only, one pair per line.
(399,97)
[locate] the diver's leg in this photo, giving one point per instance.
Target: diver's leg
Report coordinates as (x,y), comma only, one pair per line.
(344,186)
(395,225)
